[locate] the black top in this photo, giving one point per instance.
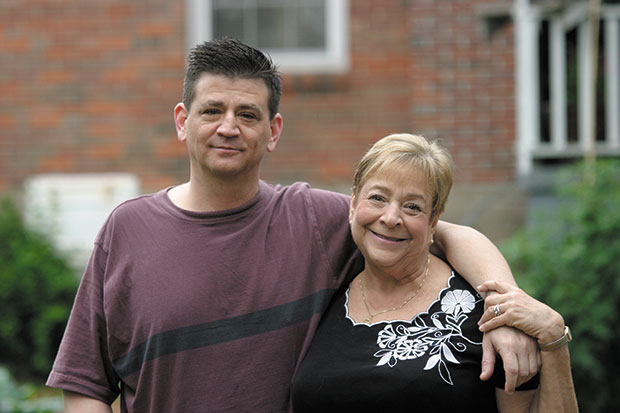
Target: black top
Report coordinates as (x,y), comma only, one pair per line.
(431,363)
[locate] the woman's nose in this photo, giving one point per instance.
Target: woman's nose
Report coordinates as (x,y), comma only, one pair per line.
(391,216)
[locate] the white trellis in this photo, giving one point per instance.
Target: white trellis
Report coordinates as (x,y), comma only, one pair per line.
(528,18)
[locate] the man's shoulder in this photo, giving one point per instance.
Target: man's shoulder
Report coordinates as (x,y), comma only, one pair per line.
(145,209)
(139,204)
(304,190)
(323,207)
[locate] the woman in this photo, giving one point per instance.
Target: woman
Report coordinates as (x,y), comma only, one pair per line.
(404,334)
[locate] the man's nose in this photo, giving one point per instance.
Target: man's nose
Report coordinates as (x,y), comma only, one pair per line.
(228,127)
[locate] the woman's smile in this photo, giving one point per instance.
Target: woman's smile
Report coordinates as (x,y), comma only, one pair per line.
(390,220)
(386,238)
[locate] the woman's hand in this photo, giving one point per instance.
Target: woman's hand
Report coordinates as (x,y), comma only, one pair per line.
(512,307)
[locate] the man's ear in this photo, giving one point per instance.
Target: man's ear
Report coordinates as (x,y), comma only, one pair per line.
(180,119)
(276,125)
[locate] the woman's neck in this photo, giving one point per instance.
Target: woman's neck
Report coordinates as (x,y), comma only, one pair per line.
(384,288)
(393,278)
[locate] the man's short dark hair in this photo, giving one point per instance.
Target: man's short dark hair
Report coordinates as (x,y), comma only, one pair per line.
(232,58)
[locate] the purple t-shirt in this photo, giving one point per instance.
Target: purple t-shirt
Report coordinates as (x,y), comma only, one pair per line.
(183,311)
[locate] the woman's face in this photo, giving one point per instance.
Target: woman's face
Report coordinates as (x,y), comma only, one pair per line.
(391,221)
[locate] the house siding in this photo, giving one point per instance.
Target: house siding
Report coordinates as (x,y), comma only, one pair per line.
(90,86)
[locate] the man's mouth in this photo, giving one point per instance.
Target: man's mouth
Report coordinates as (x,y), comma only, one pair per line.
(226,148)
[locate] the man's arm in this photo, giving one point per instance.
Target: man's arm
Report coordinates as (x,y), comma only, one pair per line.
(472,254)
(510,306)
(77,403)
(478,260)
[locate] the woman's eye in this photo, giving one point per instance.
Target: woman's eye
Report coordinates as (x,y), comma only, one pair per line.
(377,198)
(413,207)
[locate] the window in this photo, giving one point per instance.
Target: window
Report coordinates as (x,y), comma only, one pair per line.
(302,36)
(71,208)
(561,115)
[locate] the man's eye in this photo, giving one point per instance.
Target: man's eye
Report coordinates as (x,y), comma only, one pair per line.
(211,111)
(248,115)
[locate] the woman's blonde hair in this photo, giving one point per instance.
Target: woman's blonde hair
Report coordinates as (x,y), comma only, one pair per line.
(396,151)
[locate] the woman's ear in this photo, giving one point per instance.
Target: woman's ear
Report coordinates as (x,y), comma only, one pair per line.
(434,223)
(351,208)
(434,227)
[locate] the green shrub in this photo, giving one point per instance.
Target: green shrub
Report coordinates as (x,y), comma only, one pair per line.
(16,398)
(571,260)
(36,294)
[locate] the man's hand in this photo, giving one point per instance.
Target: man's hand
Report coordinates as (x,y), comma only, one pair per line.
(519,353)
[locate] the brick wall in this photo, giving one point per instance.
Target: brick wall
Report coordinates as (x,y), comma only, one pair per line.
(89,86)
(462,87)
(419,66)
(331,120)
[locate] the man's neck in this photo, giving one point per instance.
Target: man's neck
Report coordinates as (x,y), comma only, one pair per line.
(212,195)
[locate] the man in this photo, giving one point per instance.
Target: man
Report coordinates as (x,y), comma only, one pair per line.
(204,296)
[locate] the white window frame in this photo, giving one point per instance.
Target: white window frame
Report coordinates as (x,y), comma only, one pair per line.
(335,59)
(71,208)
(527,18)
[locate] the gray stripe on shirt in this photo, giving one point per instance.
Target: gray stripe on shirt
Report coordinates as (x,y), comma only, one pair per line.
(221,331)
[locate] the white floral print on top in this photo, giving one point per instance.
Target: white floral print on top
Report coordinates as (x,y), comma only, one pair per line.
(440,340)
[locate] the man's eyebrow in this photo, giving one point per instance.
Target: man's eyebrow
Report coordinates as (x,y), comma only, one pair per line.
(250,106)
(212,103)
(219,104)
(209,104)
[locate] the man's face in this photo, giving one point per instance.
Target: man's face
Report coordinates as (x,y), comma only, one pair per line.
(227,129)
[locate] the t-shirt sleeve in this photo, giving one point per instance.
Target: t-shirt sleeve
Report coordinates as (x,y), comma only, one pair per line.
(331,211)
(82,364)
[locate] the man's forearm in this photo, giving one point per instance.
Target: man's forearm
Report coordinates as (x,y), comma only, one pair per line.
(475,257)
(471,254)
(76,403)
(556,392)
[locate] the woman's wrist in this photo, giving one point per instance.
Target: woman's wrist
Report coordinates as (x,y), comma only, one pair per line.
(559,343)
(553,333)
(557,335)
(551,337)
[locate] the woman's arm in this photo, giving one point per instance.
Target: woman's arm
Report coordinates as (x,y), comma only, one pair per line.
(512,307)
(477,259)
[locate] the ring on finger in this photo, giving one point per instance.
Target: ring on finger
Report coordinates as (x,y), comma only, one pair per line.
(496,310)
